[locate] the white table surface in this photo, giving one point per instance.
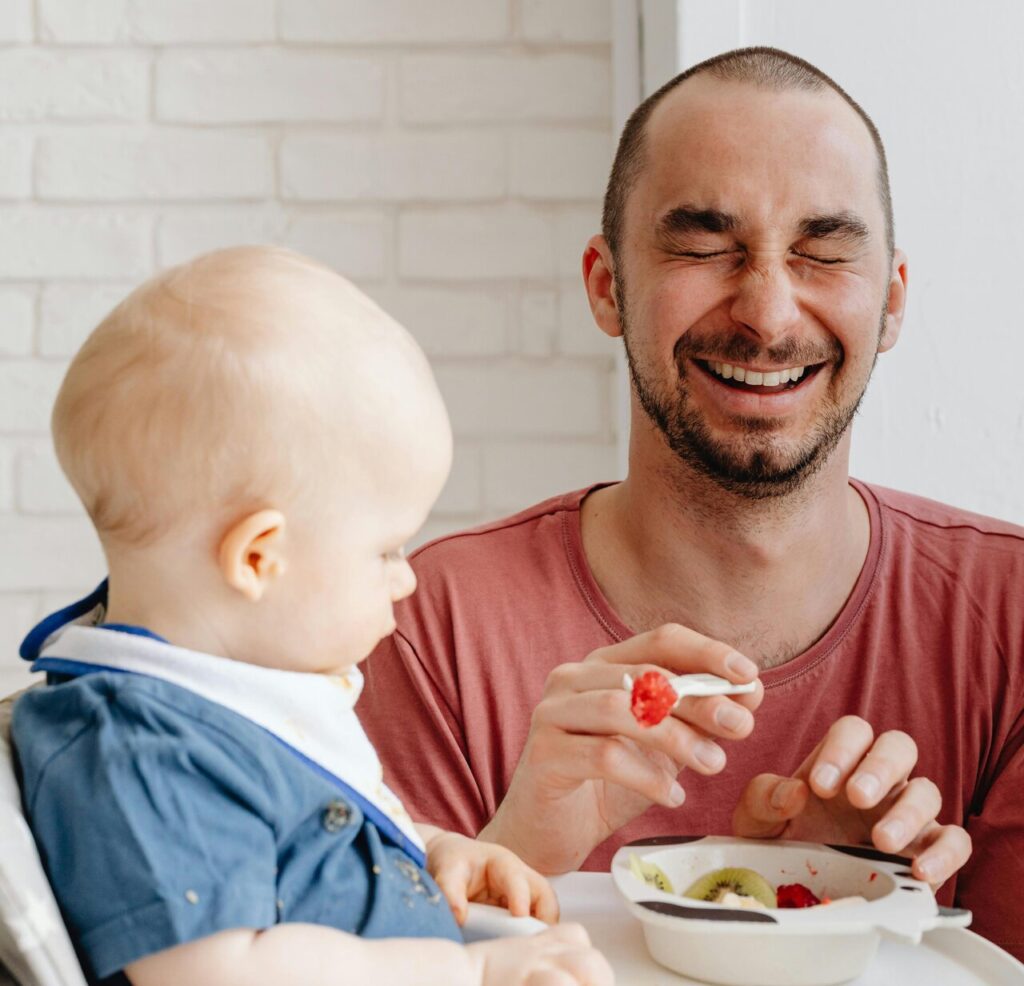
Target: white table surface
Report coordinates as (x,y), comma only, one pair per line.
(951,957)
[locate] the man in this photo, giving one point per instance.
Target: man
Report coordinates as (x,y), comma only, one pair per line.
(747,259)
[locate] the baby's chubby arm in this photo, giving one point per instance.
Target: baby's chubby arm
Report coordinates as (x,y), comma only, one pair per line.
(319,956)
(471,869)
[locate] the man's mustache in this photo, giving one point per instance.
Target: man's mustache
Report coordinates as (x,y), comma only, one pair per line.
(735,348)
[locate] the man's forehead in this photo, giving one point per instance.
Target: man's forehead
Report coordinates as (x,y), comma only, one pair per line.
(745,150)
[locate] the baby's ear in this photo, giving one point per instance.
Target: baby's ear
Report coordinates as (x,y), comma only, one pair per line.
(252,553)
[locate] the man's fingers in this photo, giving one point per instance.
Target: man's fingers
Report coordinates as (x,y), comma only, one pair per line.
(939,852)
(768,802)
(832,762)
(680,650)
(727,716)
(589,676)
(751,700)
(720,715)
(612,759)
(914,811)
(592,675)
(885,766)
(606,713)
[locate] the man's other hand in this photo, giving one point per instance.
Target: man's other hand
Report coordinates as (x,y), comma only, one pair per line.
(855,789)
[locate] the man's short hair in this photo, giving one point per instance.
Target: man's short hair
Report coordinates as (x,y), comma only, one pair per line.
(766,68)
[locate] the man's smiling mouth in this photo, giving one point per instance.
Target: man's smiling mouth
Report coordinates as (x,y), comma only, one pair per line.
(758,381)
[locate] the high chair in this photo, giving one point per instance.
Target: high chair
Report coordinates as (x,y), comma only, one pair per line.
(35,949)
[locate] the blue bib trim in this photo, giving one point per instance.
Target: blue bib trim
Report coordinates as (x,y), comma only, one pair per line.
(370,810)
(36,637)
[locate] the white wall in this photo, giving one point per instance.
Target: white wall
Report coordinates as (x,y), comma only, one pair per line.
(944,82)
(449,155)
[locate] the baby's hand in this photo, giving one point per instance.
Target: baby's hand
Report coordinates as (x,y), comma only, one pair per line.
(562,956)
(471,870)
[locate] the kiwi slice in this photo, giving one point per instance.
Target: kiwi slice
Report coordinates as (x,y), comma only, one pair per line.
(715,885)
(650,873)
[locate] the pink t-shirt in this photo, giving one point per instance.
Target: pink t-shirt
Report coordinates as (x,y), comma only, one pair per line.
(930,641)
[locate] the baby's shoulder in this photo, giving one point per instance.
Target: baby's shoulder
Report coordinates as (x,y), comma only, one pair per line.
(116,721)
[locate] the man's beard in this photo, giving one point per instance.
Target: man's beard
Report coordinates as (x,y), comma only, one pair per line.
(754,467)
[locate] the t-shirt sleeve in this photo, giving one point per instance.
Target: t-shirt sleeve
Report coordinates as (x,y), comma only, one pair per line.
(153,837)
(418,735)
(990,884)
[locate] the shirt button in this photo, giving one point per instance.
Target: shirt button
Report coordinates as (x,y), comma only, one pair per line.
(336,816)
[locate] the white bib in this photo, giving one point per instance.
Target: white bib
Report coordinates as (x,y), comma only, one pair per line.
(311,713)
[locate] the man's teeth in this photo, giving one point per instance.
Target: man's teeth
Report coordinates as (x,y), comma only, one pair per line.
(754,377)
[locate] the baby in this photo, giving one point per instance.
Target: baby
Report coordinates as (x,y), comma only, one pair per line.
(255,441)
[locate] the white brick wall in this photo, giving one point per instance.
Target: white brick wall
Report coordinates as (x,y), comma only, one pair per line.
(17,315)
(68,311)
(167,164)
(397,167)
(15,20)
(448,155)
(77,242)
(399,22)
(449,87)
(156,21)
(268,84)
(15,166)
(40,83)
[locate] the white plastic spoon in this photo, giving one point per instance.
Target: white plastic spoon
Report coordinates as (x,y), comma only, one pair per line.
(698,685)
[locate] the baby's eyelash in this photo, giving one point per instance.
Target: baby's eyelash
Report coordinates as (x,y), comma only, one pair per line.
(397,555)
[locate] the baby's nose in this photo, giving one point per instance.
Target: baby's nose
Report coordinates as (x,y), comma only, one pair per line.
(403,580)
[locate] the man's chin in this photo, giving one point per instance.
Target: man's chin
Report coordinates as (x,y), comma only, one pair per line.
(760,474)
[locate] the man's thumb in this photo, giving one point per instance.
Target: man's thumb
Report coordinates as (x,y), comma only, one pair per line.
(768,802)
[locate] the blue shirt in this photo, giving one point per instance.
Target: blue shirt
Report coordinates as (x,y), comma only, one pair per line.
(162,817)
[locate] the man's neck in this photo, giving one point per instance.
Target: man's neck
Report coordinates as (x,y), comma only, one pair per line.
(767,576)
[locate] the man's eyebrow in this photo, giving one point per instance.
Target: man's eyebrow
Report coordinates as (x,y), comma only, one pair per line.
(840,225)
(690,219)
(693,219)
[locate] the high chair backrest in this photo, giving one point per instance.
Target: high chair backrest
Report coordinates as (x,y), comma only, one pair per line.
(34,945)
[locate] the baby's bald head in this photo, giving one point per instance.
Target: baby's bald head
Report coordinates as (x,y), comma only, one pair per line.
(250,376)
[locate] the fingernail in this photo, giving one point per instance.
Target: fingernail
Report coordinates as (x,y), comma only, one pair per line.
(868,785)
(676,795)
(826,776)
(782,793)
(740,665)
(730,717)
(709,755)
(930,867)
(894,832)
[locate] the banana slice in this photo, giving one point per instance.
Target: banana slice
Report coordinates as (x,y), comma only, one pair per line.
(650,873)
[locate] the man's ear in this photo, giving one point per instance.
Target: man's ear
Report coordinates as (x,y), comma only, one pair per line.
(599,279)
(252,553)
(897,302)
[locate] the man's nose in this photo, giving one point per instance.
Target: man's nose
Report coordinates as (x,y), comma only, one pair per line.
(765,302)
